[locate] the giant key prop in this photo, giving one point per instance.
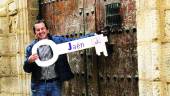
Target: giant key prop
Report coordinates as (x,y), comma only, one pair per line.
(97,41)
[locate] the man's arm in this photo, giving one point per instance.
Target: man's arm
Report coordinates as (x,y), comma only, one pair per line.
(28,66)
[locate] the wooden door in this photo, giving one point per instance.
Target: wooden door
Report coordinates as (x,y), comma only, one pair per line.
(115,75)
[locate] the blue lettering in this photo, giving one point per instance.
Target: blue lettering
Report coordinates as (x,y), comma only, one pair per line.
(75,46)
(69,44)
(97,41)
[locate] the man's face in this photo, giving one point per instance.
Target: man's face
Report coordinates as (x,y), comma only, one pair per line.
(41,31)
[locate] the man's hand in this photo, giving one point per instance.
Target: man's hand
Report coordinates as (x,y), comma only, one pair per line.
(32,58)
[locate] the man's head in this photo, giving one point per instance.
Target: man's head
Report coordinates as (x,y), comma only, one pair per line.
(40,29)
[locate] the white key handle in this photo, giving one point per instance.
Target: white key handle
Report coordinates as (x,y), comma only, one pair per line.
(97,41)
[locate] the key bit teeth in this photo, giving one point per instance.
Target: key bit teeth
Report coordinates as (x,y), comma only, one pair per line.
(105,53)
(98,54)
(105,39)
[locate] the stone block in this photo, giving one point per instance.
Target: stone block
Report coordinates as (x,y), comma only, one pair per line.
(168,89)
(149,61)
(2,45)
(4,28)
(167,25)
(33,4)
(4,70)
(166,62)
(33,13)
(3,2)
(144,4)
(8,66)
(14,86)
(149,88)
(156,61)
(145,88)
(12,45)
(167,4)
(3,12)
(156,89)
(144,61)
(147,26)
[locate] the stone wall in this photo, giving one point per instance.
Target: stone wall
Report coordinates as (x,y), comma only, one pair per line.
(153,35)
(153,47)
(16,18)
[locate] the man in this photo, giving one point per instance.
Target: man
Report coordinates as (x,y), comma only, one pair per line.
(46,81)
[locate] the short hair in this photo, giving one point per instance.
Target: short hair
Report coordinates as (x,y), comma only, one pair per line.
(40,21)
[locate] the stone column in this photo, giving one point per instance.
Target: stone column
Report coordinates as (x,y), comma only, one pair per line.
(22,38)
(153,44)
(27,12)
(165,29)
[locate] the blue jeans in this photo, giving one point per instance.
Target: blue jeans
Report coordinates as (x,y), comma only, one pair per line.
(46,88)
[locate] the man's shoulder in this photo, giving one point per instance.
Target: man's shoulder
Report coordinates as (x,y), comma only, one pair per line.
(57,38)
(31,43)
